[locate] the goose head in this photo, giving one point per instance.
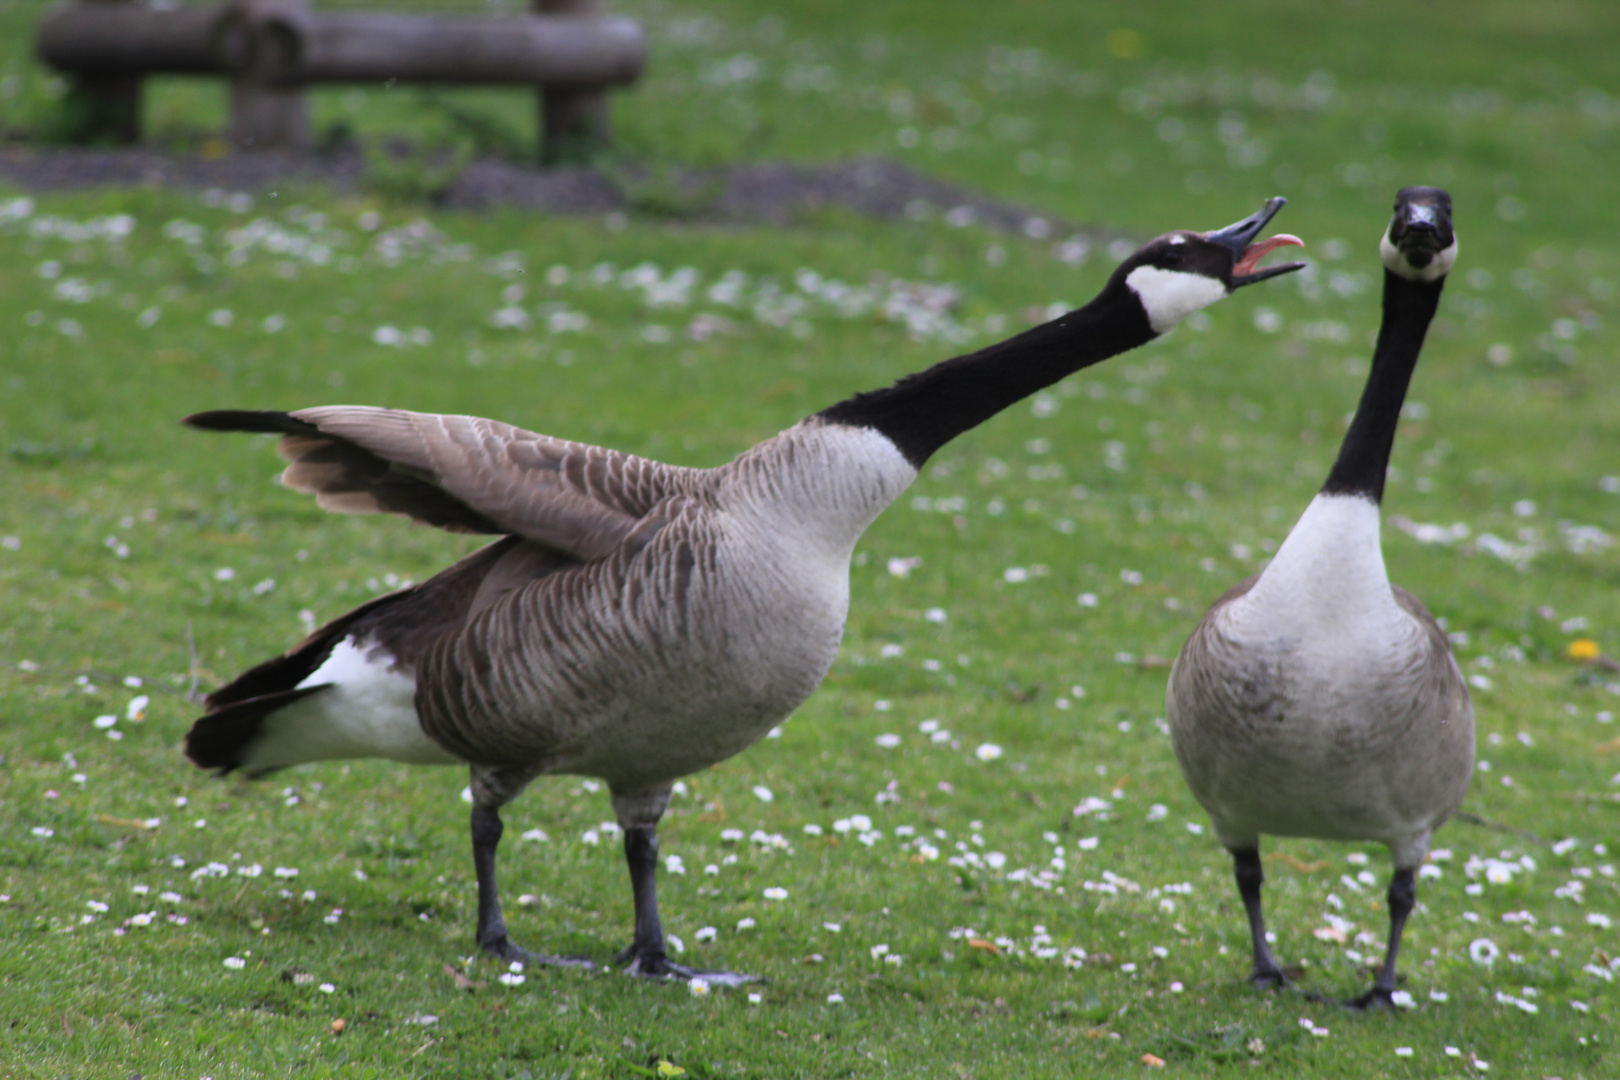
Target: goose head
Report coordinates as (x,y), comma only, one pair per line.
(1419,244)
(1181,272)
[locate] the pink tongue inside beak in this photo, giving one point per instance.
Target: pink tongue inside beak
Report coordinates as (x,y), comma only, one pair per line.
(1260,249)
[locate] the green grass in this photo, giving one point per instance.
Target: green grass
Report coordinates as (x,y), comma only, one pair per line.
(1220,435)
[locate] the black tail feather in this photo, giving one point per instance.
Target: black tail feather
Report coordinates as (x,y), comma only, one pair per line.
(404,623)
(220,739)
(284,672)
(263,421)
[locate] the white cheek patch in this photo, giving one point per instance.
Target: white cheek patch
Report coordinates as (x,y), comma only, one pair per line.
(1168,296)
(1438,267)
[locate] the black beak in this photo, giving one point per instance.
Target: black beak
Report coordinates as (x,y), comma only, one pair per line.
(1422,223)
(1421,217)
(1239,237)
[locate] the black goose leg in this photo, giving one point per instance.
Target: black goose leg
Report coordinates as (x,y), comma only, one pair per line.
(1246,868)
(1402,899)
(492,939)
(646,955)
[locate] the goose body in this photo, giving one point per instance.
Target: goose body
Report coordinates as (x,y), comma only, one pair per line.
(732,605)
(1316,699)
(1334,712)
(637,621)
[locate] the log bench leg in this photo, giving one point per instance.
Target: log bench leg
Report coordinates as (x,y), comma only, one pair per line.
(573,119)
(105,109)
(573,123)
(268,117)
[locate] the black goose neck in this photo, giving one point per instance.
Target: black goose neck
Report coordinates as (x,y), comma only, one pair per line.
(924,411)
(1409,308)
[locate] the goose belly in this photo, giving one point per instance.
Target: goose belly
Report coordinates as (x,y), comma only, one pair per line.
(638,685)
(1291,744)
(367,709)
(1263,789)
(722,689)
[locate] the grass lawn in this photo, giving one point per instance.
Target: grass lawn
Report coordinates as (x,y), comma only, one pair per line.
(1059,909)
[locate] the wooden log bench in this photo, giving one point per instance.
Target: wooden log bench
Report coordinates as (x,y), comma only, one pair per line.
(271,50)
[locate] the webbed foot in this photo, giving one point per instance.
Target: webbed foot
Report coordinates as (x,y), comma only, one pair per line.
(657,965)
(501,948)
(1269,978)
(1376,998)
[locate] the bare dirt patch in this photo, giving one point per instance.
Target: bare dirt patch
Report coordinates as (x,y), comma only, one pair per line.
(760,193)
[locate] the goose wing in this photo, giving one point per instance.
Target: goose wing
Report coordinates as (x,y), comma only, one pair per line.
(1213,681)
(1434,665)
(462,473)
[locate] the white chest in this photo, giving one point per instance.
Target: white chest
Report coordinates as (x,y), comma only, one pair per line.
(1328,582)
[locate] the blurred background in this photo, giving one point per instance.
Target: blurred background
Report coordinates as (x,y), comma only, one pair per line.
(1132,114)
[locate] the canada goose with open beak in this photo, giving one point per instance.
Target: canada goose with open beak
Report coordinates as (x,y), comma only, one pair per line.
(1317,699)
(637,621)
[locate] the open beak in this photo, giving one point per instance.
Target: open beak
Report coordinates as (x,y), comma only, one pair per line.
(1246,253)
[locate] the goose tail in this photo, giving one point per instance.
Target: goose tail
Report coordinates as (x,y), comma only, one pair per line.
(222,740)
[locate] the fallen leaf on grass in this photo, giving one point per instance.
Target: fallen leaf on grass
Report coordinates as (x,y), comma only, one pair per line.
(1152,1061)
(128,823)
(462,982)
(1298,864)
(661,1068)
(338,1026)
(986,946)
(237,538)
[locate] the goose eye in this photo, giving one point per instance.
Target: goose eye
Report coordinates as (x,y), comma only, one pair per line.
(1173,254)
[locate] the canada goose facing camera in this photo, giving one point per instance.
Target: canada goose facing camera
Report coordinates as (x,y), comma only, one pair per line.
(1316,699)
(636,621)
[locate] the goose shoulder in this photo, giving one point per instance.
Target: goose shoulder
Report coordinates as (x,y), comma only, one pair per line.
(1219,676)
(1229,676)
(1431,656)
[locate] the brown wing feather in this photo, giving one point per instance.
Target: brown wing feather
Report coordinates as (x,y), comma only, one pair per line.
(464,474)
